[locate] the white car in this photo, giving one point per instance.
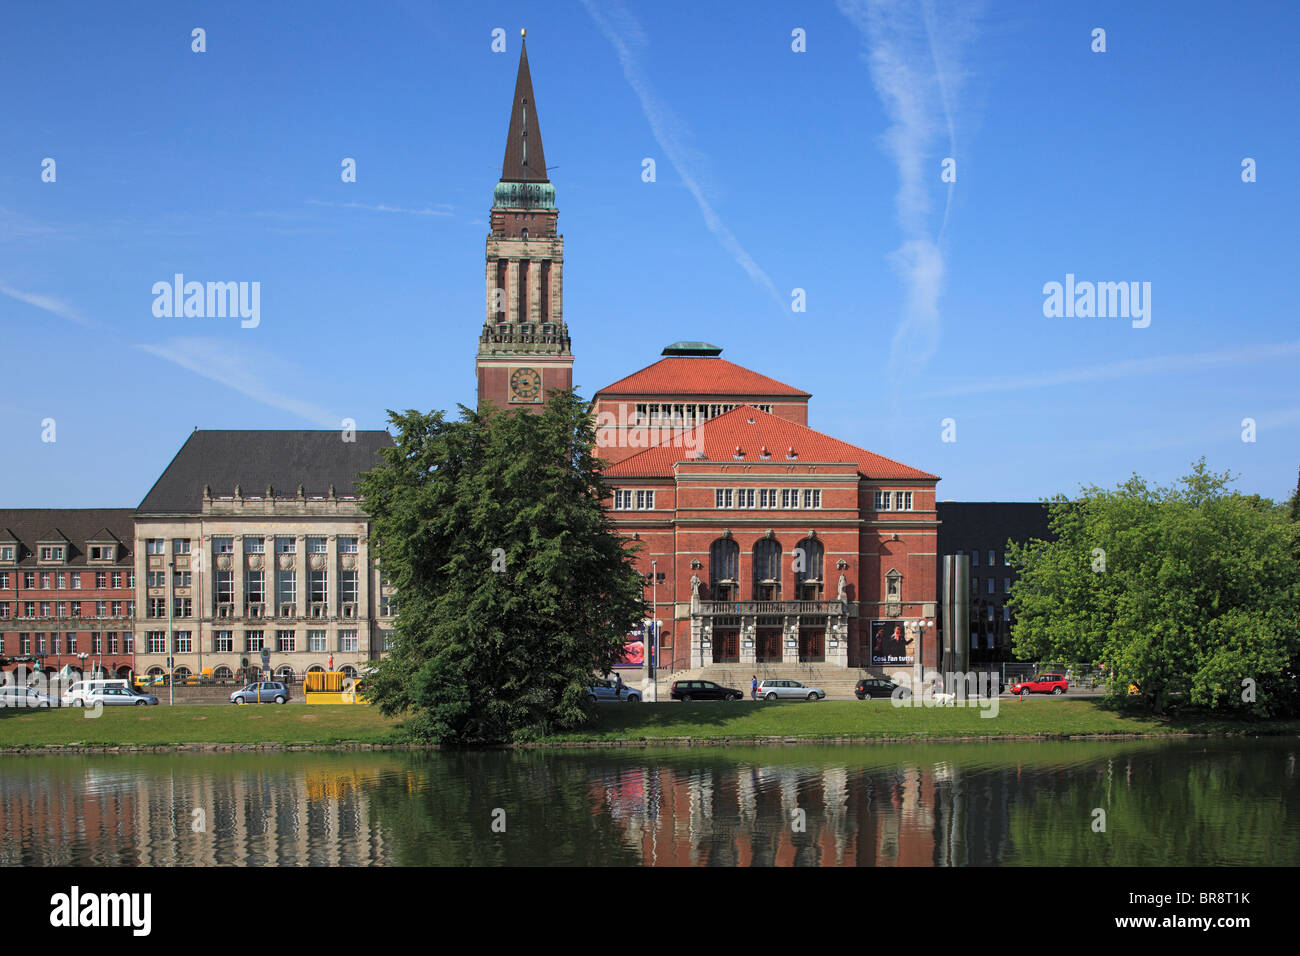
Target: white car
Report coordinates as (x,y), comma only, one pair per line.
(789,690)
(81,688)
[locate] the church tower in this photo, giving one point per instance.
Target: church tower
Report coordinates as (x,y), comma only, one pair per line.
(524,350)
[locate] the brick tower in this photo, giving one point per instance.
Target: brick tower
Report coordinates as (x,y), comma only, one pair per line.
(524,349)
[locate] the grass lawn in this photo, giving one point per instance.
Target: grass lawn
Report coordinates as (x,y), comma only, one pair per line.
(152,726)
(878,718)
(324,725)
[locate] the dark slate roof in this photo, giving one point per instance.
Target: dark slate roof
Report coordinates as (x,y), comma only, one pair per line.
(78,525)
(525,162)
(53,535)
(283,459)
(104,534)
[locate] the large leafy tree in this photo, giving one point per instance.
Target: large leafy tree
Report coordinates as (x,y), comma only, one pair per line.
(513,587)
(1188,591)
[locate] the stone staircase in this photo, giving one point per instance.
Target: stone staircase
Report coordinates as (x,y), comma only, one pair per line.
(836,681)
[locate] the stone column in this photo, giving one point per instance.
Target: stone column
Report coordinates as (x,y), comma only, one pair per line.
(748,655)
(535,292)
(512,290)
(557,286)
(490,278)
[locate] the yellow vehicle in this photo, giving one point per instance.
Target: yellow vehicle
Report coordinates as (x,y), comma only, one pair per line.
(331,687)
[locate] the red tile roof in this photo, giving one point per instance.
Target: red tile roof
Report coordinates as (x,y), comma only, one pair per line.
(753,430)
(678,375)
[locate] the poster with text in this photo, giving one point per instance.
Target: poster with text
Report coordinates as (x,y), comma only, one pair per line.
(891,644)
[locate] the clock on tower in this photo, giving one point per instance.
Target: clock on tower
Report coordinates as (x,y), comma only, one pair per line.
(524,347)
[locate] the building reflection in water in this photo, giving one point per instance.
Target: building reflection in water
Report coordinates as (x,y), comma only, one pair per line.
(1221,802)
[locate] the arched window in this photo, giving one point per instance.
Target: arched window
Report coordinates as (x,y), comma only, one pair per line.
(156,671)
(724,569)
(315,669)
(222,673)
(767,570)
(348,670)
(808,577)
(284,673)
(181,674)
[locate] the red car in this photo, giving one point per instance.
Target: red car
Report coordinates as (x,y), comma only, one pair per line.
(1042,684)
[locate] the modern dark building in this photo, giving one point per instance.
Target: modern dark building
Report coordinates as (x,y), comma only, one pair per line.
(981,529)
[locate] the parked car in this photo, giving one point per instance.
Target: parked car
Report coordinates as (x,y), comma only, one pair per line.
(602,690)
(1042,684)
(116,695)
(688,690)
(262,692)
(875,687)
(77,694)
(14,696)
(788,690)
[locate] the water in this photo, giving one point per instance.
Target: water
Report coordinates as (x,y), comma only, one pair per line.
(1189,802)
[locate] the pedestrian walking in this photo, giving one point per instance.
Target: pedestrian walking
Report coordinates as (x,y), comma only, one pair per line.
(618,686)
(753,687)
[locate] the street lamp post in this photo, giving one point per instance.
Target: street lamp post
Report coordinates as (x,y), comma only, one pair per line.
(654,618)
(167,651)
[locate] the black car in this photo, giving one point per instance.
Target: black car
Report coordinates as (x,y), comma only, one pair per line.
(874,687)
(703,690)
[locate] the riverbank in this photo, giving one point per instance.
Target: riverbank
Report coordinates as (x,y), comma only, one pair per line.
(208,729)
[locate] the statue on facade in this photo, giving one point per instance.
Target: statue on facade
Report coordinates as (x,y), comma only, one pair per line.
(695,593)
(843,593)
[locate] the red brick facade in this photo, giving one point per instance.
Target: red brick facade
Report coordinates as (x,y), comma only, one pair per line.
(794,510)
(67,588)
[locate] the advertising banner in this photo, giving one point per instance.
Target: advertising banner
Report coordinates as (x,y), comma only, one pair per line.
(891,644)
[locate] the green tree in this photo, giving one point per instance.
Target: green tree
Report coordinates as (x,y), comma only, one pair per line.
(513,588)
(1188,590)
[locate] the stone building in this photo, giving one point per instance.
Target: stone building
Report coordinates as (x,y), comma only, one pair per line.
(255,540)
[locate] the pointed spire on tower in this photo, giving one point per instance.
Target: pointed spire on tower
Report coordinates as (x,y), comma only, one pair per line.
(525,162)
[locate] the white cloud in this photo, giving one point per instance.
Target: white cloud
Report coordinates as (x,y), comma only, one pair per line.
(625,35)
(242,369)
(1157,365)
(438,209)
(914,54)
(51,304)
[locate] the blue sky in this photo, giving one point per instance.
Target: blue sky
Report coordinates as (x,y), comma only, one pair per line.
(776,170)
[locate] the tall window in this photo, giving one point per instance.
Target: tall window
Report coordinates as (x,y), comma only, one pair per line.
(183,642)
(284,641)
(348,587)
(153,546)
(767,569)
(223,641)
(724,568)
(180,545)
(808,569)
(286,587)
(317,582)
(255,587)
(157,641)
(253,641)
(183,607)
(316,641)
(347,640)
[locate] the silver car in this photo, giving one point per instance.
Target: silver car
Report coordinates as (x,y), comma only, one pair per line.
(111,696)
(604,690)
(789,690)
(15,696)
